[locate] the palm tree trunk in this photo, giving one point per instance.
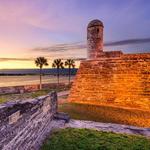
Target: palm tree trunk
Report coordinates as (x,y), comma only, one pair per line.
(40,78)
(69,74)
(58,75)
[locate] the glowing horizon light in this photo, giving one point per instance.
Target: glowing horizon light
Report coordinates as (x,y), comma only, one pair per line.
(29,29)
(26,64)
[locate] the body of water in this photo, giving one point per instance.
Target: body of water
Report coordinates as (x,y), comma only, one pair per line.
(51,71)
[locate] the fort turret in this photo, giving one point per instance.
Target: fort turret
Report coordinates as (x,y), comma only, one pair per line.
(95,39)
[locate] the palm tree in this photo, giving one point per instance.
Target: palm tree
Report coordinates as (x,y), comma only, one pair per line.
(71,64)
(59,65)
(40,62)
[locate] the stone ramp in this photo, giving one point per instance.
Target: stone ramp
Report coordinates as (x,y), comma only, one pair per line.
(109,127)
(63,93)
(62,96)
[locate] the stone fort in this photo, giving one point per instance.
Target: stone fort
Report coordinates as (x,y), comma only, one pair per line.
(111,77)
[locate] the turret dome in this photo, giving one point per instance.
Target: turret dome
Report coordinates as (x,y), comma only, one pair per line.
(95,22)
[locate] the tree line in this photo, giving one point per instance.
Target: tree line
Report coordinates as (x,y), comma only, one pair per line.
(58,64)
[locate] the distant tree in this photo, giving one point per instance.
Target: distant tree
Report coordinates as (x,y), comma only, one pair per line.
(40,62)
(59,65)
(71,64)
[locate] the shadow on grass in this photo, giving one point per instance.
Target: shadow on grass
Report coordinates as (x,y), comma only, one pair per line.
(107,114)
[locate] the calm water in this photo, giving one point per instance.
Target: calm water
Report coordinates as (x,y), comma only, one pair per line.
(30,79)
(51,71)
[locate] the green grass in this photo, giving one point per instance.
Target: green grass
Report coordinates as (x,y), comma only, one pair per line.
(107,114)
(2,99)
(85,139)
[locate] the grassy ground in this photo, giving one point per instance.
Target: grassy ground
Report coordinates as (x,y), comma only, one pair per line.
(13,97)
(107,114)
(84,139)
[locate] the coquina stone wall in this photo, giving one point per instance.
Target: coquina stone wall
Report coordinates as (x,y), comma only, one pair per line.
(24,124)
(28,88)
(95,38)
(119,81)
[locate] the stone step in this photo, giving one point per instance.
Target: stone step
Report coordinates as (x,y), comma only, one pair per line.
(62,116)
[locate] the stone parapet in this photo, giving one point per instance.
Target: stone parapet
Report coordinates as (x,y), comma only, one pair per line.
(25,124)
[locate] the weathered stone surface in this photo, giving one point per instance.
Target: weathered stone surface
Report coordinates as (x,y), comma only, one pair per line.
(117,128)
(24,125)
(95,39)
(62,116)
(121,81)
(28,88)
(14,117)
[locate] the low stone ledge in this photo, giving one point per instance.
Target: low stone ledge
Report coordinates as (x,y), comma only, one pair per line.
(117,128)
(20,89)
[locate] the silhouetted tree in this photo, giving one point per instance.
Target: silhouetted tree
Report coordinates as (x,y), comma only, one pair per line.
(71,64)
(40,62)
(59,65)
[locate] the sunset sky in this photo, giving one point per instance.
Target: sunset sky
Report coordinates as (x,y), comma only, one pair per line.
(57,28)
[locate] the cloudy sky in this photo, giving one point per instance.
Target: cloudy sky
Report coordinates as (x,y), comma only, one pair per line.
(57,28)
